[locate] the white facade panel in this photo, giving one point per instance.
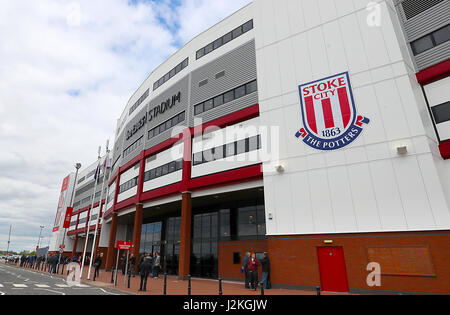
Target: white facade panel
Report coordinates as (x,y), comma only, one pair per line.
(111,192)
(175,153)
(444,130)
(125,177)
(438,92)
(366,186)
(219,137)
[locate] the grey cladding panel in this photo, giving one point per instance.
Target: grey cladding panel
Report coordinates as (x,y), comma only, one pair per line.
(433,56)
(181,86)
(118,148)
(240,68)
(428,21)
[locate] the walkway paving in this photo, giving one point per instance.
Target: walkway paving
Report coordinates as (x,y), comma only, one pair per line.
(179,287)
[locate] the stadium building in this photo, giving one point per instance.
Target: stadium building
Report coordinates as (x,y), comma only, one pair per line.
(316,131)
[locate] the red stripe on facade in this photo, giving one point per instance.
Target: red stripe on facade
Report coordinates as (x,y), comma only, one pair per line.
(345,106)
(161,192)
(227,177)
(126,203)
(327,113)
(231,119)
(186,182)
(163,146)
(444,148)
(434,73)
(311,113)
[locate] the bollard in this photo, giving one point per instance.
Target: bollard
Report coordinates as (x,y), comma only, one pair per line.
(165,284)
(262,288)
(112,276)
(129,279)
(189,285)
(220,286)
(318,290)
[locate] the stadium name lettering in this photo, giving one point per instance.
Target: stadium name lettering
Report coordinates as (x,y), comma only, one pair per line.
(153,113)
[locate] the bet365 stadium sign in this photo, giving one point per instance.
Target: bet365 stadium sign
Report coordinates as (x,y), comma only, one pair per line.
(330,120)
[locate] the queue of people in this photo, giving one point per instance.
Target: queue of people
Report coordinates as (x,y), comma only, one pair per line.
(250,270)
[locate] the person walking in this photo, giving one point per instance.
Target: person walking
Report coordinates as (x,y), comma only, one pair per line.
(144,270)
(156,265)
(265,264)
(244,269)
(97,264)
(124,262)
(253,265)
(132,265)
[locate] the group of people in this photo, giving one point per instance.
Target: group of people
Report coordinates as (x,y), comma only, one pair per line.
(50,262)
(147,264)
(250,270)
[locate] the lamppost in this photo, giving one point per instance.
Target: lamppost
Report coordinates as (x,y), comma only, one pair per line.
(77,166)
(39,240)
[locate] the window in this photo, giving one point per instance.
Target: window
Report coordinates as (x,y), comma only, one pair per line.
(163,170)
(241,146)
(247,26)
(218,43)
(198,109)
(139,101)
(225,39)
(128,185)
(209,48)
(227,97)
(208,105)
(220,75)
(432,40)
(173,72)
(228,150)
(239,92)
(442,35)
(441,112)
(200,53)
(251,87)
(218,100)
(422,44)
(237,32)
(178,119)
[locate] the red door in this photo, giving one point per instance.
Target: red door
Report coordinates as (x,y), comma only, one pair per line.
(333,274)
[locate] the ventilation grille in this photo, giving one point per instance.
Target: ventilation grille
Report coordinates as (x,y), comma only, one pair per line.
(413,8)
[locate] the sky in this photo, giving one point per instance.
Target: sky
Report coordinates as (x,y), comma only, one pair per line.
(67,70)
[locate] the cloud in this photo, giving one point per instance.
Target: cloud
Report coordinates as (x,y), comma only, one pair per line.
(68,70)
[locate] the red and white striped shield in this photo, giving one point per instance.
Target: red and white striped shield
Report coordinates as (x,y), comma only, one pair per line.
(329,114)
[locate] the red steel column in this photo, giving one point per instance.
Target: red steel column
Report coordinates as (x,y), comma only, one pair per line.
(138,217)
(185,236)
(110,255)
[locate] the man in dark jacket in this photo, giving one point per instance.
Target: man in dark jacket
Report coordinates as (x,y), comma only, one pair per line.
(97,264)
(265,264)
(132,265)
(245,270)
(144,270)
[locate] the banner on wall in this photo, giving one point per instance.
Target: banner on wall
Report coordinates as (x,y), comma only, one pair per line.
(61,202)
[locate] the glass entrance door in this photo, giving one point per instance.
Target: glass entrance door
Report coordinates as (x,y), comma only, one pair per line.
(151,238)
(204,246)
(171,253)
